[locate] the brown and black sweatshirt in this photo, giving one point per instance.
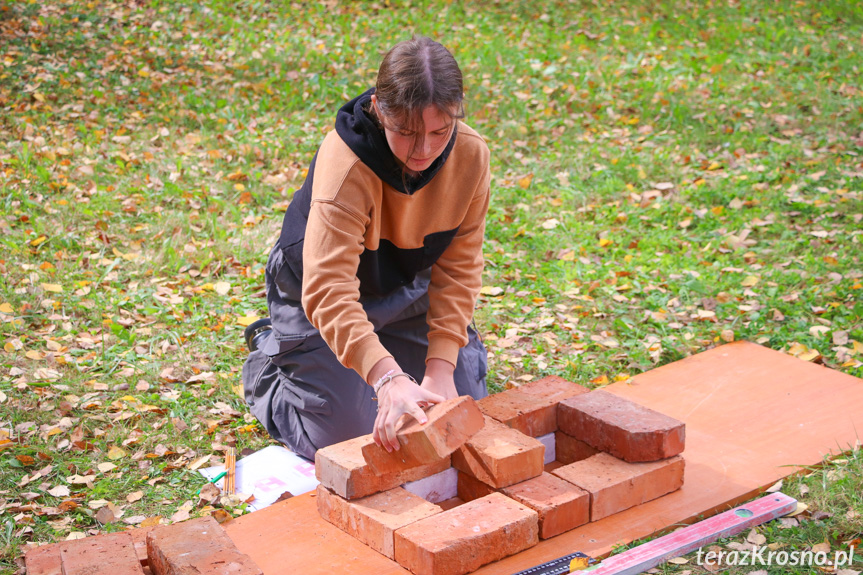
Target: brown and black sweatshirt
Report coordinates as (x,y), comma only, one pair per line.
(357,228)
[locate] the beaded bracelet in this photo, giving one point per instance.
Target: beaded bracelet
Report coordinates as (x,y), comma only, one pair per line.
(388,377)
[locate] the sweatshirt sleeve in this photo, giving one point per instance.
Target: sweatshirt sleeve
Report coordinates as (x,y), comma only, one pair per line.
(331,290)
(456,280)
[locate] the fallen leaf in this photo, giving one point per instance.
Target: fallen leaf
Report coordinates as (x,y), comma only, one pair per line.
(56,288)
(818,330)
(221,516)
(105,515)
(106,467)
(115,453)
(756,538)
(152,521)
(247,320)
(749,281)
(550,224)
(135,496)
(524,183)
(678,560)
(6,308)
(97,503)
(134,520)
(801,507)
(775,487)
(727,335)
(222,288)
(491,290)
(821,548)
(180,515)
(59,491)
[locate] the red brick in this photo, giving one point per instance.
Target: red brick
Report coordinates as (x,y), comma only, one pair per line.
(342,468)
(196,547)
(139,539)
(621,427)
(561,505)
(449,425)
(615,485)
(452,503)
(568,449)
(532,407)
(374,519)
(500,456)
(43,560)
(111,554)
(470,488)
(467,537)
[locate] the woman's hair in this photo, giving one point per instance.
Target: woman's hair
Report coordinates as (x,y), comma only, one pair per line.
(414,75)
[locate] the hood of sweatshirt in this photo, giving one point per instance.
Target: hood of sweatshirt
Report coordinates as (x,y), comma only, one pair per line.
(362,135)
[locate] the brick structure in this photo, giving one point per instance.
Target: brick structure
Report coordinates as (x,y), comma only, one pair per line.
(621,427)
(561,505)
(615,485)
(374,519)
(500,456)
(465,538)
(43,560)
(531,408)
(449,425)
(470,488)
(343,469)
(569,449)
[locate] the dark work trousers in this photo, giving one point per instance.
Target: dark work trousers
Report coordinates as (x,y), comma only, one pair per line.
(296,387)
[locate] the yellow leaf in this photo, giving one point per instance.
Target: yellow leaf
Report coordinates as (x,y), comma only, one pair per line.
(38,96)
(247,320)
(579,563)
(714,166)
(9,347)
(601,380)
(491,290)
(35,355)
(811,355)
(6,308)
(116,453)
(524,182)
(605,242)
(801,507)
(38,241)
(56,288)
(678,561)
(750,281)
(144,73)
(857,346)
(797,348)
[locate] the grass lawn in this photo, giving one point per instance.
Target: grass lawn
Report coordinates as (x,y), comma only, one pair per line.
(667,176)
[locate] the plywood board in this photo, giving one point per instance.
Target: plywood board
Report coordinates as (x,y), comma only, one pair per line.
(753,416)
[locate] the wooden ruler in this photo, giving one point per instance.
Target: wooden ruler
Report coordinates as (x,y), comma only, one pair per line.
(680,542)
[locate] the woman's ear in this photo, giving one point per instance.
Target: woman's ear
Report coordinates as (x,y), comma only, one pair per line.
(375,104)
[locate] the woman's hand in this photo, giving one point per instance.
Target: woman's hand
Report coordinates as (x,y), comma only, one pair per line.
(439,378)
(398,398)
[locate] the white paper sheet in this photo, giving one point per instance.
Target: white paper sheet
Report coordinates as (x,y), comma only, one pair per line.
(268,473)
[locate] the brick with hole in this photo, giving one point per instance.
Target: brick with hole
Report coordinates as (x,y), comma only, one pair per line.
(196,547)
(500,456)
(561,505)
(343,469)
(615,485)
(531,408)
(467,537)
(110,554)
(450,424)
(621,427)
(374,519)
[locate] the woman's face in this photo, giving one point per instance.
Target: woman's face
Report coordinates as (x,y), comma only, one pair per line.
(418,150)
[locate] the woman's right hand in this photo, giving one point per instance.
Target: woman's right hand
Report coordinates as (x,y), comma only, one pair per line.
(398,398)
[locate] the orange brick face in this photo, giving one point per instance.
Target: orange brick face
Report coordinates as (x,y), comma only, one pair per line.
(43,560)
(470,488)
(531,408)
(615,485)
(374,519)
(112,554)
(621,427)
(449,425)
(569,449)
(500,456)
(467,537)
(198,546)
(561,505)
(342,468)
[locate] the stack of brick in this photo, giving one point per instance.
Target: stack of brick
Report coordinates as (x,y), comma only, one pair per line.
(620,452)
(611,454)
(360,492)
(198,546)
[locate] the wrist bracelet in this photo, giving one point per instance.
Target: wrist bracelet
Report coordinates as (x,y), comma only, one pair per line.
(388,377)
